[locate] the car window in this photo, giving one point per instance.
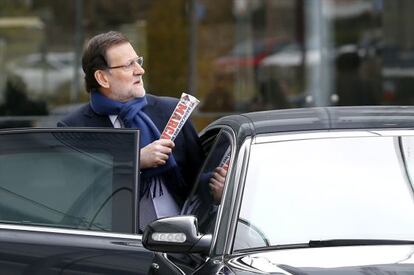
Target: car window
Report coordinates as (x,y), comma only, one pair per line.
(324,189)
(204,201)
(78,180)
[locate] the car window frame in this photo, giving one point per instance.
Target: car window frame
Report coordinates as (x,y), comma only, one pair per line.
(235,192)
(221,237)
(73,231)
(208,138)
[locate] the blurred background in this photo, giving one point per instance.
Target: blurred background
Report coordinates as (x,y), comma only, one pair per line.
(234,55)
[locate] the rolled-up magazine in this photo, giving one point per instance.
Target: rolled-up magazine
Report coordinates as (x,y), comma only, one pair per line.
(180,115)
(225,161)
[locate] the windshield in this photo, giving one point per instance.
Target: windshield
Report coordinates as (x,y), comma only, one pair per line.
(328,188)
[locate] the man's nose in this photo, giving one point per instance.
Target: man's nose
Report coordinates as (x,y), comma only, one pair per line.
(138,69)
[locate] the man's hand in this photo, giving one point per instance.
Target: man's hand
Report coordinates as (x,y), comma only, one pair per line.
(217,183)
(156,153)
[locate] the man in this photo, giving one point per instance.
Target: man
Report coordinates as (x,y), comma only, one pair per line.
(113,77)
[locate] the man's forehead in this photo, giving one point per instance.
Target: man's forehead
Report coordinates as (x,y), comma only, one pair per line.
(123,51)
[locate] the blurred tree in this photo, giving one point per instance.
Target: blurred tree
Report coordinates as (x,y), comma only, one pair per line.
(98,16)
(16,101)
(216,32)
(98,13)
(168,47)
(167,32)
(217,12)
(14,8)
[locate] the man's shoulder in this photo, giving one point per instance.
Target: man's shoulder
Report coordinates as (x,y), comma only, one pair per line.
(165,104)
(76,116)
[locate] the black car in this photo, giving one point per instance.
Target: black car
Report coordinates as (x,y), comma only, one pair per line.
(307,191)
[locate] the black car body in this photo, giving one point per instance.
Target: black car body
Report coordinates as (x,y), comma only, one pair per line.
(307,191)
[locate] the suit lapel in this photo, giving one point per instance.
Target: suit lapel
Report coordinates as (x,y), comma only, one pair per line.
(155,113)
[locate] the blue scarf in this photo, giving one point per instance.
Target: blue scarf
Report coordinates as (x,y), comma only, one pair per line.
(132,116)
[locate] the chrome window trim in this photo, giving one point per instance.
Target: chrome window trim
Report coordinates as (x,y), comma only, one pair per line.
(276,137)
(228,131)
(401,132)
(238,187)
(62,231)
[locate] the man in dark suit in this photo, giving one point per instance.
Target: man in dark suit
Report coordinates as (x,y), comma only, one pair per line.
(113,77)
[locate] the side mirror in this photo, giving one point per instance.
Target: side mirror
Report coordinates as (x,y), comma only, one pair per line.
(177,234)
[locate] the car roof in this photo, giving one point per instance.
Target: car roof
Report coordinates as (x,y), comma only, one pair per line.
(318,118)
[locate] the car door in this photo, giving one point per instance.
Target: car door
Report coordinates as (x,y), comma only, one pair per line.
(203,203)
(68,202)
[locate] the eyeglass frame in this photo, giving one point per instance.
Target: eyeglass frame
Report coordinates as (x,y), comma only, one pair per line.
(139,60)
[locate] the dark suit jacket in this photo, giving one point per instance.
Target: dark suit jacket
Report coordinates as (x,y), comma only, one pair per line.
(187,151)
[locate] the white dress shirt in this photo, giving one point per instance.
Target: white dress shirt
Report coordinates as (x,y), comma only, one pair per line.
(115,121)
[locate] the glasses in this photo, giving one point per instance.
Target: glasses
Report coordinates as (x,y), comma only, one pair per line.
(130,66)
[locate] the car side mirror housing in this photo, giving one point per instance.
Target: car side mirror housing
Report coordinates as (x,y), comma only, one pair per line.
(177,234)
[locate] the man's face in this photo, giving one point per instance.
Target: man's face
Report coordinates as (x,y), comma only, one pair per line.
(124,83)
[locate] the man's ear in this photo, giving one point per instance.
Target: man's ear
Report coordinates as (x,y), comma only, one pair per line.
(101,78)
